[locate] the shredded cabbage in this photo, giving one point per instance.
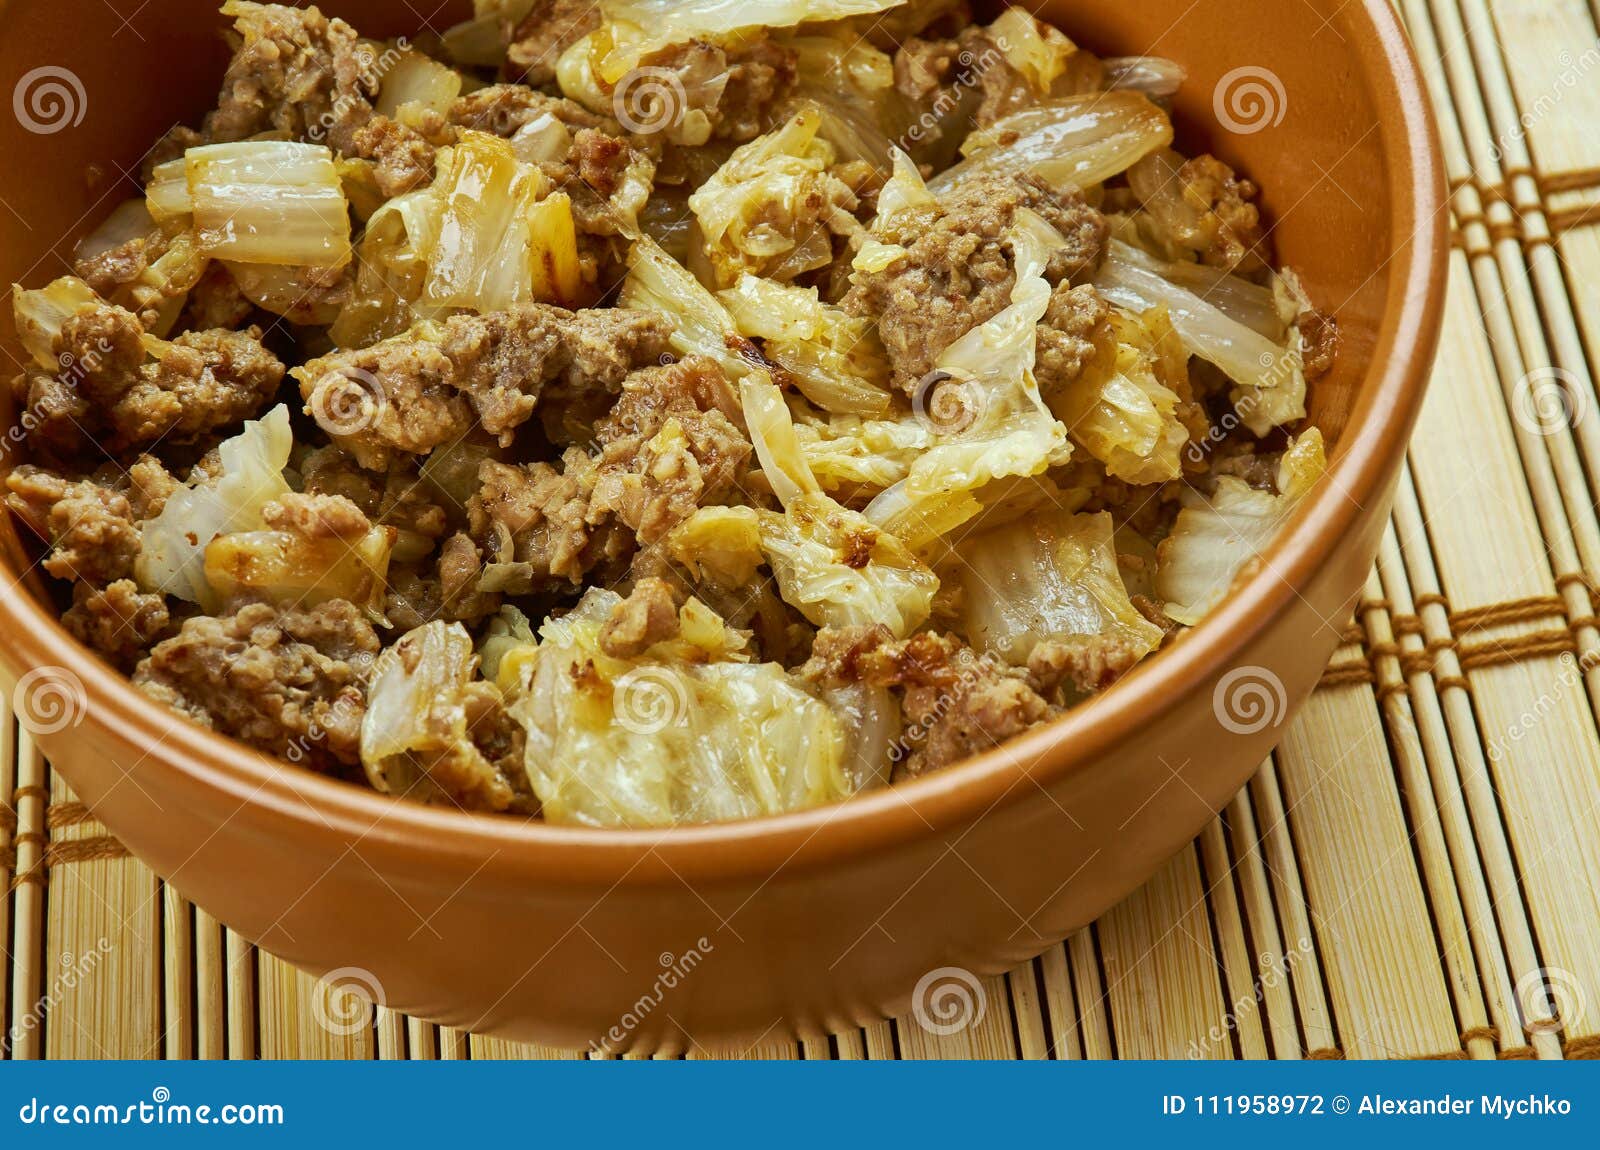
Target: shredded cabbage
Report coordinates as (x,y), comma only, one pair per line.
(41,313)
(774,207)
(998,425)
(417,735)
(1037,51)
(480,42)
(1053,576)
(1155,76)
(415,85)
(831,564)
(286,567)
(1215,537)
(1271,376)
(1076,141)
(657,282)
(488,234)
(835,359)
(669,738)
(173,558)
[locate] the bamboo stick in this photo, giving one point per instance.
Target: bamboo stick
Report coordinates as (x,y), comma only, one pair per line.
(27,952)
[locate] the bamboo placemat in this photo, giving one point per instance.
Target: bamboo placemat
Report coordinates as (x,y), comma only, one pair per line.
(1415,872)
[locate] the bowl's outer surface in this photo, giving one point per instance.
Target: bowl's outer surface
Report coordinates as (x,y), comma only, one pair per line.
(818,920)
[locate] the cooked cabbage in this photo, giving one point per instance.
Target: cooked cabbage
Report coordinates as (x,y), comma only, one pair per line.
(636,29)
(173,558)
(488,234)
(41,313)
(286,567)
(415,84)
(1053,576)
(260,202)
(659,741)
(417,733)
(1270,376)
(985,409)
(1036,51)
(657,282)
(1122,412)
(831,564)
(1078,141)
(719,543)
(1155,76)
(774,207)
(851,455)
(1215,537)
(834,358)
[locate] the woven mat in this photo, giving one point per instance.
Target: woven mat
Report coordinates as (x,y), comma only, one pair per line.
(1414,873)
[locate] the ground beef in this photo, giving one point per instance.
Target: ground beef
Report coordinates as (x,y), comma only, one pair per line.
(214,302)
(649,615)
(110,394)
(958,271)
(503,361)
(1200,209)
(548,30)
(288,681)
(119,621)
(1074,331)
(732,88)
(1090,663)
(503,109)
(90,526)
(298,73)
(317,517)
(445,586)
(1319,336)
(671,444)
(403,160)
(391,399)
(119,274)
(956,703)
(920,67)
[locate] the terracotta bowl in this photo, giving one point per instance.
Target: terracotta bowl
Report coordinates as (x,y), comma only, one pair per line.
(814,921)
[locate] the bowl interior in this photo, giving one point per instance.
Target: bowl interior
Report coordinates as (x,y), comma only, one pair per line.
(1314,110)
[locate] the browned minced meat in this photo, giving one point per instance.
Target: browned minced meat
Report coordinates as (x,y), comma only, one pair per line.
(549,29)
(1319,336)
(1075,329)
(112,395)
(735,86)
(119,274)
(956,703)
(1091,663)
(649,615)
(671,444)
(298,73)
(920,66)
(119,621)
(403,160)
(316,517)
(290,681)
(393,398)
(444,586)
(503,361)
(215,302)
(1212,216)
(958,271)
(90,526)
(503,109)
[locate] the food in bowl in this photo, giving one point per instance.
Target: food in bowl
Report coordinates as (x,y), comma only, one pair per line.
(655,414)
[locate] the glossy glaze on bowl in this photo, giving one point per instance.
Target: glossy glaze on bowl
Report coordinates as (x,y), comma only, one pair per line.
(811,921)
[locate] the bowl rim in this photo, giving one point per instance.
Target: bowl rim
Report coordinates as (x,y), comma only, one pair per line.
(297,803)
